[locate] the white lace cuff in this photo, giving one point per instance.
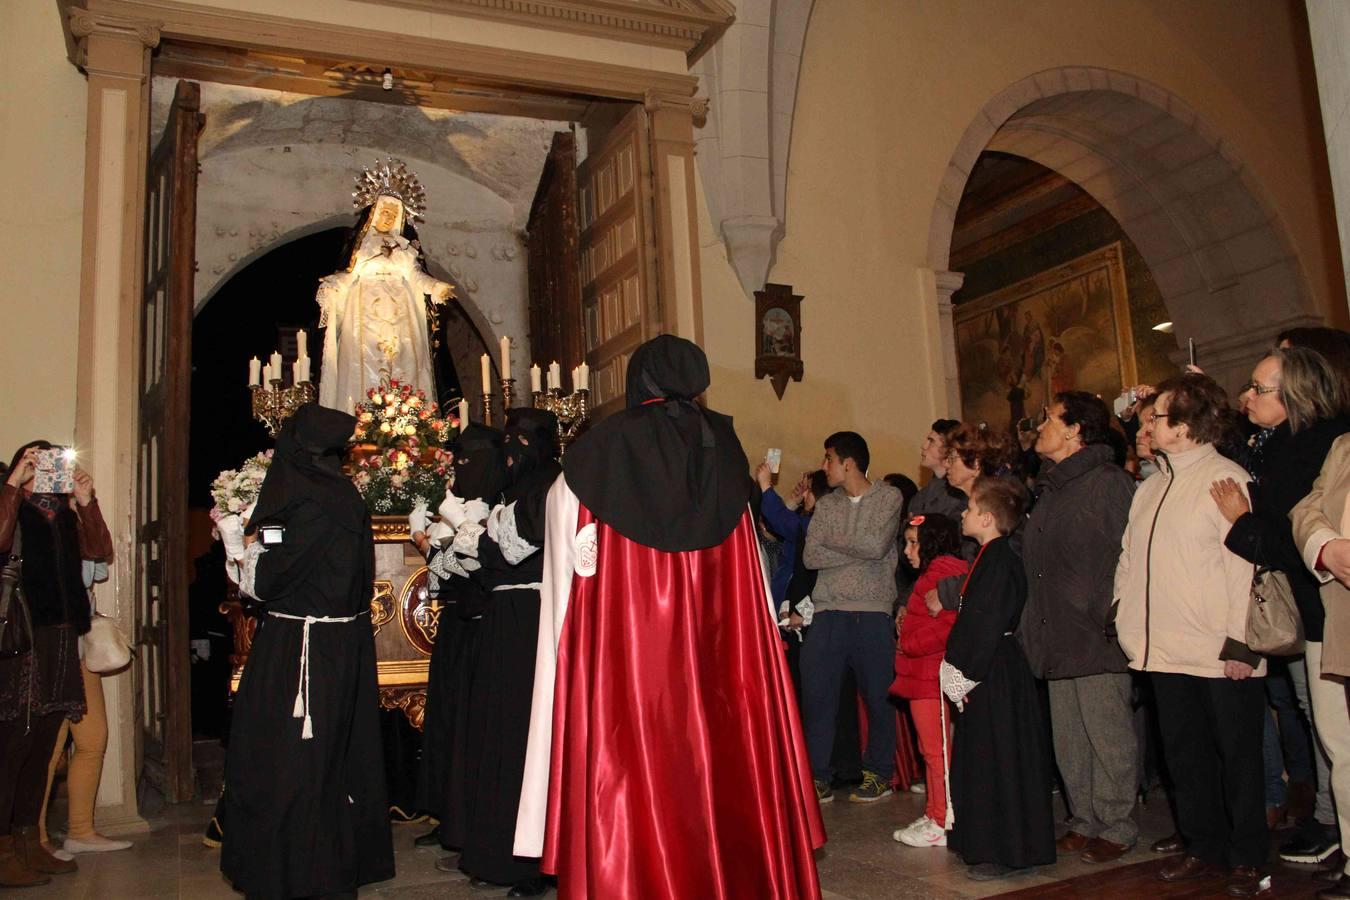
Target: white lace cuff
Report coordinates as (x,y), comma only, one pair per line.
(955,684)
(466,539)
(442,566)
(501,526)
(247,568)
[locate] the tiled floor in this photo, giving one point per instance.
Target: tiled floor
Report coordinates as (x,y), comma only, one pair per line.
(860,862)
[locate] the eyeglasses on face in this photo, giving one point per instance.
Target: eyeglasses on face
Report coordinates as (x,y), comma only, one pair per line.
(1257,389)
(1154,417)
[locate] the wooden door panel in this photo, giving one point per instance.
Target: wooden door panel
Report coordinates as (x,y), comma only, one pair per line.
(553,261)
(617,253)
(164,697)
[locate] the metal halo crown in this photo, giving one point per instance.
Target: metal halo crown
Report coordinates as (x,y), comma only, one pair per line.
(390,178)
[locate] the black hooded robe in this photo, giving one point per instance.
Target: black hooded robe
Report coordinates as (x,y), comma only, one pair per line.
(447,738)
(309,816)
(503,680)
(1000,769)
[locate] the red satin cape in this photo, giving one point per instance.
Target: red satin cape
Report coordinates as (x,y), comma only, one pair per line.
(678,767)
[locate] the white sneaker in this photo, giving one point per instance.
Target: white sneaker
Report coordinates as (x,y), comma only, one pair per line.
(95,844)
(918,787)
(917,823)
(929,834)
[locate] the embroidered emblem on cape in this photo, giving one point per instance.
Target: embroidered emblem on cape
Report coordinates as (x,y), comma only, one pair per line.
(587,547)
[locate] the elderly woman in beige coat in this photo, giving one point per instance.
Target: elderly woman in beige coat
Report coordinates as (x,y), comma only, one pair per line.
(1182,618)
(1322,533)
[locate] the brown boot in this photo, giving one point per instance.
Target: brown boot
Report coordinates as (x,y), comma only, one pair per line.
(35,856)
(13,872)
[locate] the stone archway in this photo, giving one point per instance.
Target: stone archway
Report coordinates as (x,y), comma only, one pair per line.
(1222,258)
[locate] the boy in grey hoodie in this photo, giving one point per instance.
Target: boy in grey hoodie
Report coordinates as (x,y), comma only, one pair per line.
(852,543)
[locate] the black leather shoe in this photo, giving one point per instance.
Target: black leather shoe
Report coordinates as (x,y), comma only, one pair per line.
(1188,868)
(530,887)
(1246,881)
(431,839)
(1338,891)
(1173,843)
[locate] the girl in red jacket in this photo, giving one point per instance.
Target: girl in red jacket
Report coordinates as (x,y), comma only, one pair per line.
(933,546)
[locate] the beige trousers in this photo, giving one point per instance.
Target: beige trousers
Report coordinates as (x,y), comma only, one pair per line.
(86,763)
(1331,720)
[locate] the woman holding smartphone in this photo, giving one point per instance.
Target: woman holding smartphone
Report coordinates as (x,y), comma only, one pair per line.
(52,533)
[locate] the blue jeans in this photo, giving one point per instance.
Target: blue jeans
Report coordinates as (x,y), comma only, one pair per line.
(1285,743)
(865,643)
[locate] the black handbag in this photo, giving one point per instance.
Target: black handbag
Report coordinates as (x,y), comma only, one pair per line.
(16,627)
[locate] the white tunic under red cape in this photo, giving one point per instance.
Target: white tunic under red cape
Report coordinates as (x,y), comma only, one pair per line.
(666,757)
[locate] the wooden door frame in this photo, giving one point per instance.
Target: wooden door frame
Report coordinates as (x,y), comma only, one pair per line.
(112,42)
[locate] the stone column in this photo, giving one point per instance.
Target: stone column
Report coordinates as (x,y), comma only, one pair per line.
(949,283)
(115,54)
(671,133)
(1329,28)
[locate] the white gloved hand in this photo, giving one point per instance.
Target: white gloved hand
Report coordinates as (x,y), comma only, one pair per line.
(419,518)
(440,534)
(453,511)
(476,510)
(231,529)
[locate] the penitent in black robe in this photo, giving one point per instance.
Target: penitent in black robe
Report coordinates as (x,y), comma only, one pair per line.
(503,687)
(308,815)
(1000,769)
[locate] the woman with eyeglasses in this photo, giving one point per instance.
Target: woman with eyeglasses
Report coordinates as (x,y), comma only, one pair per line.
(1294,399)
(1182,598)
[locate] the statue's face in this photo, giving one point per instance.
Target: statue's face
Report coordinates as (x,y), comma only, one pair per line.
(386,214)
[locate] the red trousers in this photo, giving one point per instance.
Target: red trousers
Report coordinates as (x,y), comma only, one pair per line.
(929,721)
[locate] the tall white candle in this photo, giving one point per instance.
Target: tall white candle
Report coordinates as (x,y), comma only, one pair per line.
(304,368)
(506,357)
(583,377)
(254,371)
(297,371)
(276,365)
(554,375)
(351,404)
(574,378)
(267,374)
(463,415)
(535,375)
(486,365)
(302,343)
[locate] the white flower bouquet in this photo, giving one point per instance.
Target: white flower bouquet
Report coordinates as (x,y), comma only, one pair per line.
(235,490)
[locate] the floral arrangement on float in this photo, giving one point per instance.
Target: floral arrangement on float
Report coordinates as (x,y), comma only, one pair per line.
(235,490)
(396,461)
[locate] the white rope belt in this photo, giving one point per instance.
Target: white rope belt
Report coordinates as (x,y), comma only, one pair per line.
(301,708)
(534,586)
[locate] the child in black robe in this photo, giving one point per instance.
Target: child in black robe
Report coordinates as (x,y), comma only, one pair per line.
(1000,768)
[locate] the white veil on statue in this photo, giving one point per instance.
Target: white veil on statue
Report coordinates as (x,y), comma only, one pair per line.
(373,311)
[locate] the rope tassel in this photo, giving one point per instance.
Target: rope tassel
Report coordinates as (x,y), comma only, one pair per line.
(300,709)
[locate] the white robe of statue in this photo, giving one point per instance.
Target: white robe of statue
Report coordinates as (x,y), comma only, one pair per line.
(375,316)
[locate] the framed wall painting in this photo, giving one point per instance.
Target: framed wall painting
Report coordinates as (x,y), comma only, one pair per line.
(1067,328)
(778,336)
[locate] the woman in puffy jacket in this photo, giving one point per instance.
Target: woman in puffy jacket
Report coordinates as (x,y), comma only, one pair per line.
(1182,617)
(932,546)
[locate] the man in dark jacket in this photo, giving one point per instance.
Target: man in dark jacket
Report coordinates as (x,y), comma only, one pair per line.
(1070,547)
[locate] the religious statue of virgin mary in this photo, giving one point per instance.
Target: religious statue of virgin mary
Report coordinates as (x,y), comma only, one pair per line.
(374,311)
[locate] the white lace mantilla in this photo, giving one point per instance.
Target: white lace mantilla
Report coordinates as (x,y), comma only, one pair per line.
(443,565)
(955,684)
(501,527)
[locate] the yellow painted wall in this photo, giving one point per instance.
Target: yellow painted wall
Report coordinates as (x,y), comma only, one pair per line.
(887,90)
(41,178)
